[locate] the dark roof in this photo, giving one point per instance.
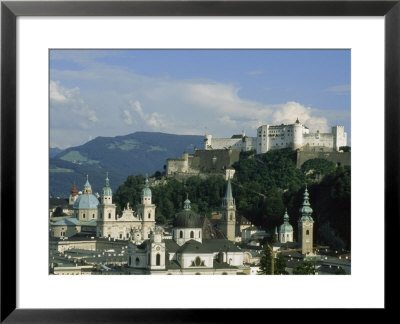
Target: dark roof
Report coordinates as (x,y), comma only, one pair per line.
(193,246)
(171,245)
(187,219)
(288,245)
(223,245)
(237,136)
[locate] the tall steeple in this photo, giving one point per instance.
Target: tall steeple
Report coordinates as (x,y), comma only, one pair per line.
(228,223)
(306,225)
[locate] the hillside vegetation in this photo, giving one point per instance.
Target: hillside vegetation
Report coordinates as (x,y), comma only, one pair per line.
(263,187)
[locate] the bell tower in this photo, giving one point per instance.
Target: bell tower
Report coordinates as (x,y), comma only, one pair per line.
(106,211)
(147,211)
(228,213)
(306,226)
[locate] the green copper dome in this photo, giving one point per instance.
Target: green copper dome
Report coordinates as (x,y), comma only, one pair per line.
(146,190)
(286,227)
(106,189)
(306,210)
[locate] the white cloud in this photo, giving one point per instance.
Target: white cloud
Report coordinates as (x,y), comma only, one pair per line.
(154,120)
(110,101)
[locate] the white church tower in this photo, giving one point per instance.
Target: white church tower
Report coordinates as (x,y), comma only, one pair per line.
(147,211)
(228,223)
(106,212)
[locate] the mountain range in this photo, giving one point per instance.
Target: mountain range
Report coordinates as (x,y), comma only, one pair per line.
(120,156)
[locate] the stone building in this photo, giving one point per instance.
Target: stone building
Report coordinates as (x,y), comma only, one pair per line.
(101,220)
(273,137)
(187,252)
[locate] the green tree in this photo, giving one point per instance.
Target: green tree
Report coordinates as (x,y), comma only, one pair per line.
(265,261)
(305,268)
(280,265)
(345,148)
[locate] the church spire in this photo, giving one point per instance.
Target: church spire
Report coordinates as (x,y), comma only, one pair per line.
(306,210)
(107,189)
(87,188)
(228,195)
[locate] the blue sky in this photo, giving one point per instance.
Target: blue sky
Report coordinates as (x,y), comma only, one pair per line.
(220,92)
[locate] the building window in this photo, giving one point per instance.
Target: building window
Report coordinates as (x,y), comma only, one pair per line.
(308,232)
(191,234)
(93,216)
(197,261)
(180,234)
(130,260)
(149,215)
(83,216)
(158,259)
(120,236)
(231,216)
(137,261)
(109,215)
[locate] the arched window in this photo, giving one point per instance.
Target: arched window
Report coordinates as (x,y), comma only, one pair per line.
(191,234)
(231,216)
(109,215)
(180,234)
(308,232)
(158,259)
(83,215)
(197,261)
(149,215)
(93,216)
(137,261)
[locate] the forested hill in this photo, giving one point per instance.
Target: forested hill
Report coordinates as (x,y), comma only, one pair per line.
(121,156)
(264,186)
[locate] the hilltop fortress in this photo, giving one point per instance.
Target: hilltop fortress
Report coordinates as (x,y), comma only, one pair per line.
(272,137)
(219,154)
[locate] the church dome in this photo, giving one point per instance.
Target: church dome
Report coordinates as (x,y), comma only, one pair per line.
(187,218)
(86,201)
(285,228)
(146,190)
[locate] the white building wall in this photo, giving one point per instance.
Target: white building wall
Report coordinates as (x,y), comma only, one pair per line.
(186,235)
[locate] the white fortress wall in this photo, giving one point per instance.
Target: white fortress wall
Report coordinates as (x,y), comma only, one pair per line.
(319,140)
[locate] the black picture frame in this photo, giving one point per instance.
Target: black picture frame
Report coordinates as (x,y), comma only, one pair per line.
(10,10)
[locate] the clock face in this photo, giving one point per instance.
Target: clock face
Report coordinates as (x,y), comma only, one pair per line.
(158,248)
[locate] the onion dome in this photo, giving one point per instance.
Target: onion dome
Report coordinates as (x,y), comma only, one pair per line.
(285,227)
(306,210)
(74,191)
(146,192)
(187,218)
(106,189)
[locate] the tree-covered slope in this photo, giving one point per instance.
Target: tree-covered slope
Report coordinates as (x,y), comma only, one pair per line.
(263,187)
